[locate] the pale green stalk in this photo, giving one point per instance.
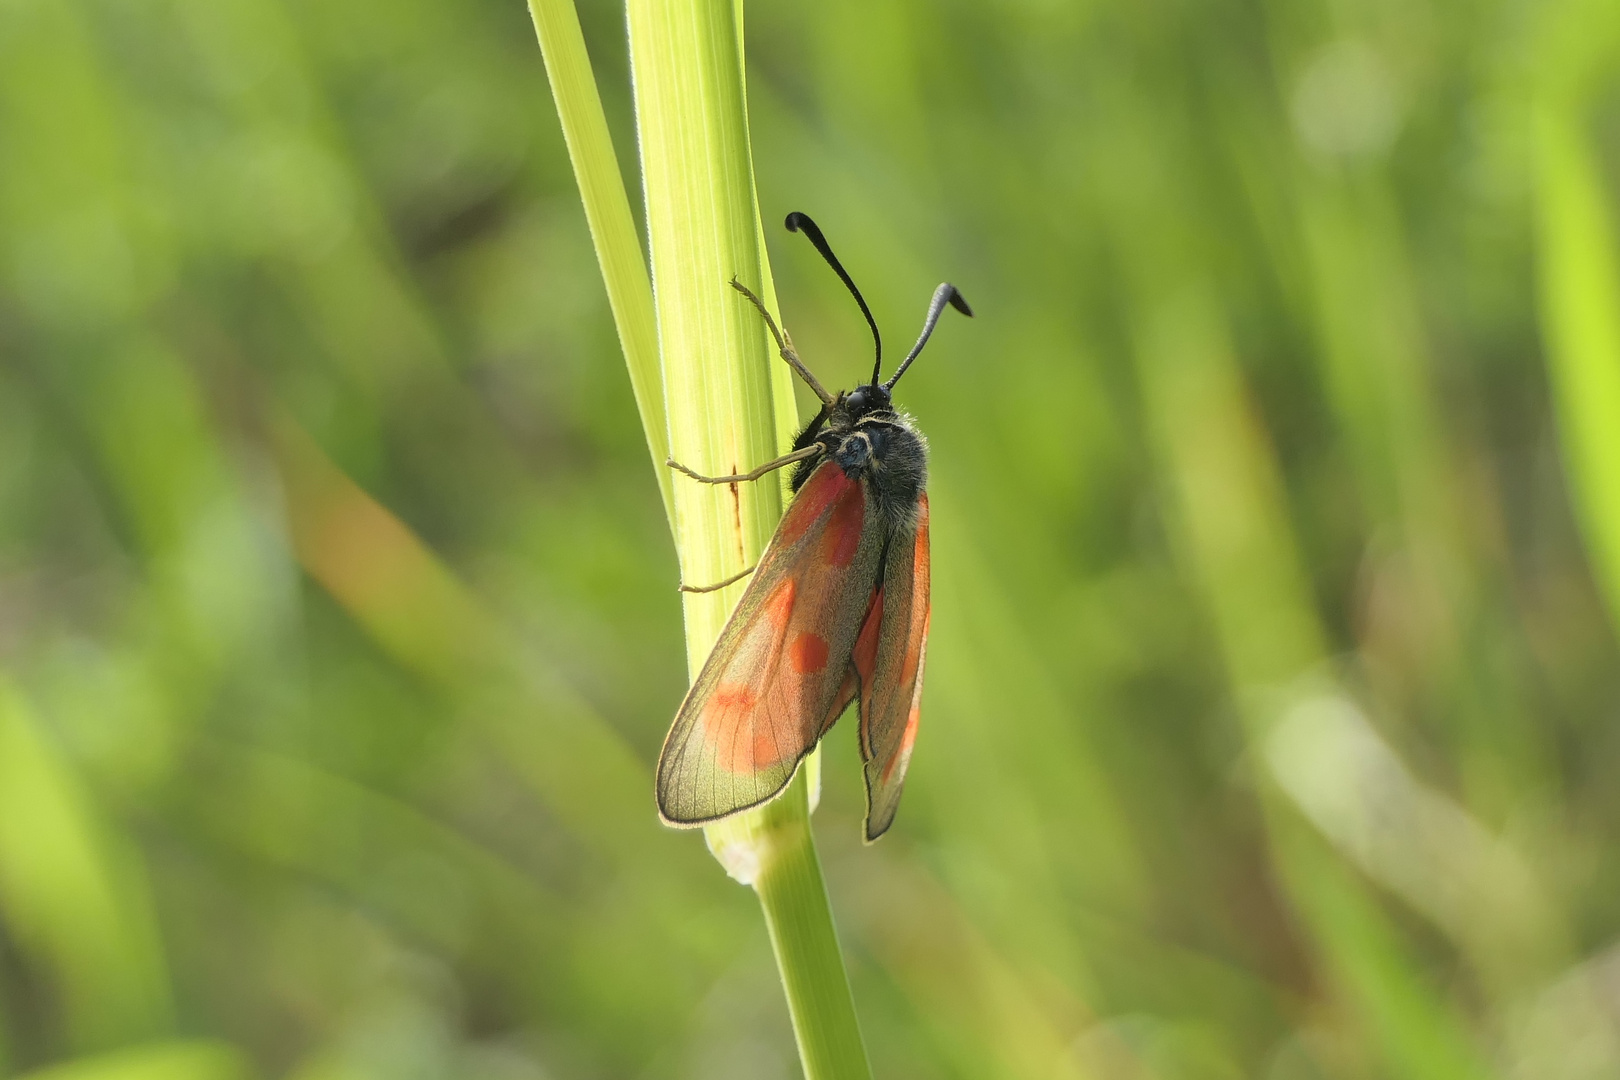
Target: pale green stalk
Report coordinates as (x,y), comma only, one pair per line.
(728,405)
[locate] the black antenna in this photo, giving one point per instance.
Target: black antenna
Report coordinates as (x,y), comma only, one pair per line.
(945,294)
(797,222)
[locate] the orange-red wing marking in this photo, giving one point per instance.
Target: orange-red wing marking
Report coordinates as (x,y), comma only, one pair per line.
(889,655)
(770,686)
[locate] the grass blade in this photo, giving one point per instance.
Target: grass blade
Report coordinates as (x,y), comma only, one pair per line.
(607,211)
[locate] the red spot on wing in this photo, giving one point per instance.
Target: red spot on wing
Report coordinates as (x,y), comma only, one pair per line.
(808,653)
(744,744)
(733,720)
(731,697)
(767,751)
(843,536)
(779,605)
(724,719)
(826,484)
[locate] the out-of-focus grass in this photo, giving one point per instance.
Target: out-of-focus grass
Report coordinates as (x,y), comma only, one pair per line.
(1271,717)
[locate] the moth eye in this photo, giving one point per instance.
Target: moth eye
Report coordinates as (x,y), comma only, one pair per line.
(857,401)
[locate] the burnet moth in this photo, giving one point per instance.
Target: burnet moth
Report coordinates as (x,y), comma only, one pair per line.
(837,610)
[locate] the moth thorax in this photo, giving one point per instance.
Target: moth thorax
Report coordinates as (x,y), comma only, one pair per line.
(861,451)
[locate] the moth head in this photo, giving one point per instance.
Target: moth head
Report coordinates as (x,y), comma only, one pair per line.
(865,399)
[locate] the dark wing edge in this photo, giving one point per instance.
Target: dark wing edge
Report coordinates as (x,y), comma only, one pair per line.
(891,653)
(694,787)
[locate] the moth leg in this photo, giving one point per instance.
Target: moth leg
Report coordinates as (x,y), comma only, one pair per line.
(784,344)
(717,586)
(770,466)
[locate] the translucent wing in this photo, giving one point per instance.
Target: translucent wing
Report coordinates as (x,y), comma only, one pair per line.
(888,658)
(768,689)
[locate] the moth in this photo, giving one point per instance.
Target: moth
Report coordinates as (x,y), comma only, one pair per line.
(837,610)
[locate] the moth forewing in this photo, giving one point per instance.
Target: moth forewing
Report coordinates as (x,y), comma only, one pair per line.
(763,697)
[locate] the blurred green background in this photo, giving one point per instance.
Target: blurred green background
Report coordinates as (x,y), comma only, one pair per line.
(1273,711)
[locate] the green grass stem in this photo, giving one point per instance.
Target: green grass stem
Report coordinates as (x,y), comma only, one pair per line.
(728,405)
